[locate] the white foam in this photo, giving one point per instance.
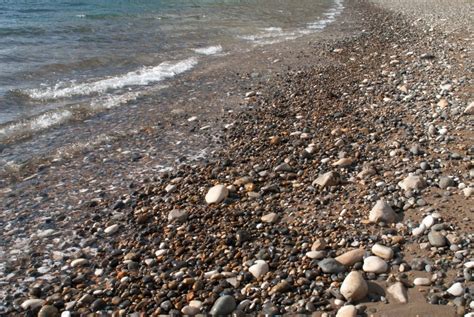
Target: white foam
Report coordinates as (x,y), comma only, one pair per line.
(211,50)
(39,122)
(330,16)
(80,15)
(141,77)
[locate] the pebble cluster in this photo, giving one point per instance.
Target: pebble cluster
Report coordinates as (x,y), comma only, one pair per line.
(342,189)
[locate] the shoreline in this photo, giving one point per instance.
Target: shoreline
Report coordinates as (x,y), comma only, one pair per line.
(371,107)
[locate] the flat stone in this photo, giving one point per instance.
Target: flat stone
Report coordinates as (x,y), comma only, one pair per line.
(216,194)
(32,303)
(48,311)
(328,179)
(224,305)
(456,289)
(347,311)
(374,264)
(316,254)
(437,239)
(469,110)
(260,268)
(270,218)
(177,215)
(354,287)
(284,167)
(343,162)
(190,310)
(382,212)
(79,262)
(330,265)
(422,281)
(170,188)
(412,182)
(445,182)
(111,229)
(351,257)
(398,292)
(318,245)
(382,251)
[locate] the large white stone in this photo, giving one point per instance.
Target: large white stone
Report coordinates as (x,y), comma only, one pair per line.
(456,289)
(111,229)
(382,212)
(217,194)
(32,303)
(316,254)
(374,264)
(428,221)
(259,269)
(422,281)
(354,287)
(79,262)
(347,311)
(412,182)
(399,292)
(382,251)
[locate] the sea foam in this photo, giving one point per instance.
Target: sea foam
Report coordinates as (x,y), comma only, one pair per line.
(211,50)
(141,77)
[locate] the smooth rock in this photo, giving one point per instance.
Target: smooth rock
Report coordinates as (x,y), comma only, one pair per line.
(445,182)
(216,194)
(354,287)
(418,230)
(190,310)
(284,167)
(412,182)
(270,218)
(469,110)
(177,215)
(316,254)
(382,212)
(79,262)
(428,221)
(328,179)
(422,281)
(468,192)
(111,229)
(32,303)
(399,292)
(437,239)
(456,289)
(347,311)
(48,311)
(170,188)
(374,264)
(351,257)
(224,305)
(382,251)
(318,245)
(330,265)
(343,162)
(260,268)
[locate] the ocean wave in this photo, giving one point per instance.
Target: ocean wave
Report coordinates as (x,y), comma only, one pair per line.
(142,77)
(211,50)
(40,122)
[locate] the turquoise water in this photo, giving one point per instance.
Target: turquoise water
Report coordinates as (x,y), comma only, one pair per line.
(60,56)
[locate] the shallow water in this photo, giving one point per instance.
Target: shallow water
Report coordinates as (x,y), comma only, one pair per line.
(64,61)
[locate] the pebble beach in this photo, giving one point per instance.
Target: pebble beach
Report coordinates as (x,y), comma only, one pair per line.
(326,176)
